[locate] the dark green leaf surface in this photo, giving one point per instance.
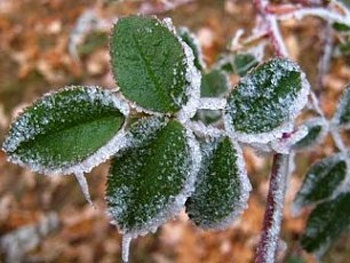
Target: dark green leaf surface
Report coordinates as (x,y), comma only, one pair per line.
(266,98)
(190,39)
(342,116)
(321,180)
(149,64)
(147,181)
(214,84)
(316,133)
(222,188)
(326,223)
(64,128)
(341,27)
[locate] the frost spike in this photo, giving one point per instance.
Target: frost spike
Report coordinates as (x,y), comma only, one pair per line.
(126,242)
(84,187)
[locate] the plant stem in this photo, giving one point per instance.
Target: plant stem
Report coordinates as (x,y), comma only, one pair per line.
(267,249)
(271,24)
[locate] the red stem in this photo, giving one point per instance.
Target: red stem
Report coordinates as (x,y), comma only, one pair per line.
(268,245)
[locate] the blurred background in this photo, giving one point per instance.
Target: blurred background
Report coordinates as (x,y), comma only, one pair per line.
(47,44)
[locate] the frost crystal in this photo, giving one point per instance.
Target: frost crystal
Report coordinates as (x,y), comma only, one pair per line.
(84,187)
(126,242)
(212,103)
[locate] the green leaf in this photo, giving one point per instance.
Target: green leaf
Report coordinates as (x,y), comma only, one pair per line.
(326,223)
(321,180)
(191,40)
(243,63)
(149,64)
(317,130)
(341,27)
(239,64)
(150,181)
(222,187)
(342,115)
(69,131)
(214,84)
(261,107)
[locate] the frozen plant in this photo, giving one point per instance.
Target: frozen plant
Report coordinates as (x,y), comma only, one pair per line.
(175,129)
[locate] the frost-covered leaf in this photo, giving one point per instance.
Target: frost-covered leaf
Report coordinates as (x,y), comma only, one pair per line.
(222,187)
(342,115)
(149,64)
(191,40)
(317,130)
(150,181)
(262,106)
(321,180)
(239,64)
(69,131)
(326,223)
